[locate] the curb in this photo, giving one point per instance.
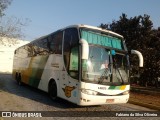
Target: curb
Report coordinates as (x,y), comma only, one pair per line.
(144,105)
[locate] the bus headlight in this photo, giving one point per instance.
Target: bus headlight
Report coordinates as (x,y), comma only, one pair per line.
(126,92)
(89,92)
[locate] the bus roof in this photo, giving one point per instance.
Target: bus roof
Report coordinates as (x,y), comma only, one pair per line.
(81,26)
(95,28)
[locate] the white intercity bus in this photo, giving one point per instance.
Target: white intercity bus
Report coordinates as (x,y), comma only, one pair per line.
(82,64)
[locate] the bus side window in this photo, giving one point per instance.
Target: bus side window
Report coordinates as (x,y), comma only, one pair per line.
(73,67)
(55,43)
(40,47)
(43,48)
(71,41)
(30,50)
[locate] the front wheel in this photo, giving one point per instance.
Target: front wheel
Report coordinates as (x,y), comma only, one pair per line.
(53,90)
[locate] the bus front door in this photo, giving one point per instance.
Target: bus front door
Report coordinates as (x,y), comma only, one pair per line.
(69,87)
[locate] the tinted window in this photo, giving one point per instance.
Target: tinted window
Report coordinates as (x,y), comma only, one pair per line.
(55,43)
(39,47)
(70,44)
(43,46)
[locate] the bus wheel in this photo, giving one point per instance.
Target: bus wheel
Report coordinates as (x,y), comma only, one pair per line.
(53,90)
(16,76)
(19,80)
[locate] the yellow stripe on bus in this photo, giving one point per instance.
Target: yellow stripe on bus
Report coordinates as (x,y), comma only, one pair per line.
(123,87)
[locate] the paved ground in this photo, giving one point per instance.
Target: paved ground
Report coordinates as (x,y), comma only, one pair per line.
(145,99)
(25,98)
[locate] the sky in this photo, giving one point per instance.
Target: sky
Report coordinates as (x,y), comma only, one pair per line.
(47,16)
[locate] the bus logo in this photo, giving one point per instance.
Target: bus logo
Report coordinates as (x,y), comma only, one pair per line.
(67,90)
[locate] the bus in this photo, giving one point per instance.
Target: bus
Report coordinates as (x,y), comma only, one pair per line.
(83,64)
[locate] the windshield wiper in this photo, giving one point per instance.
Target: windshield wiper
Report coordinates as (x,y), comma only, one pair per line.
(116,68)
(105,72)
(104,75)
(120,76)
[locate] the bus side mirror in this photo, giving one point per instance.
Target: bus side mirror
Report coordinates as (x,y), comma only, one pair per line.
(85,49)
(139,54)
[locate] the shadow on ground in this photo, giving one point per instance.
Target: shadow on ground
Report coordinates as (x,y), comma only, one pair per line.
(8,84)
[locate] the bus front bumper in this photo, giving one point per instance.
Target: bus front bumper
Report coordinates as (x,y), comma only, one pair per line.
(87,100)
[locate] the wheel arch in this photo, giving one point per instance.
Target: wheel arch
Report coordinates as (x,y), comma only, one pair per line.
(53,80)
(51,83)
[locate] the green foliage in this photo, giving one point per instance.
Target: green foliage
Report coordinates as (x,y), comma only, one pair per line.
(139,35)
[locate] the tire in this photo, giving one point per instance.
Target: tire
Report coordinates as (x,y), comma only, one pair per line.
(53,90)
(18,78)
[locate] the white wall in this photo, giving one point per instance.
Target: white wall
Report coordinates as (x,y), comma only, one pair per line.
(6,55)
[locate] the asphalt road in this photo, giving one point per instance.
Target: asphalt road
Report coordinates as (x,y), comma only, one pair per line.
(26,98)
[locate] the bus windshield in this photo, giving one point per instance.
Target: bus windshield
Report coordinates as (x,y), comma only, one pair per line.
(120,71)
(104,68)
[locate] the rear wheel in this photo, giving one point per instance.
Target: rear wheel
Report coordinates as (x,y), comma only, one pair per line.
(53,90)
(18,79)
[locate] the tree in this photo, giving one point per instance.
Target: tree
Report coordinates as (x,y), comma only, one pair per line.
(10,27)
(152,65)
(139,35)
(3,5)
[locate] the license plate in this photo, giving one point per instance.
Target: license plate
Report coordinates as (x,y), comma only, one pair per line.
(110,100)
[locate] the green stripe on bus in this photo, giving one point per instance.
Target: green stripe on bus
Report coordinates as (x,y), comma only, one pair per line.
(37,70)
(112,87)
(117,87)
